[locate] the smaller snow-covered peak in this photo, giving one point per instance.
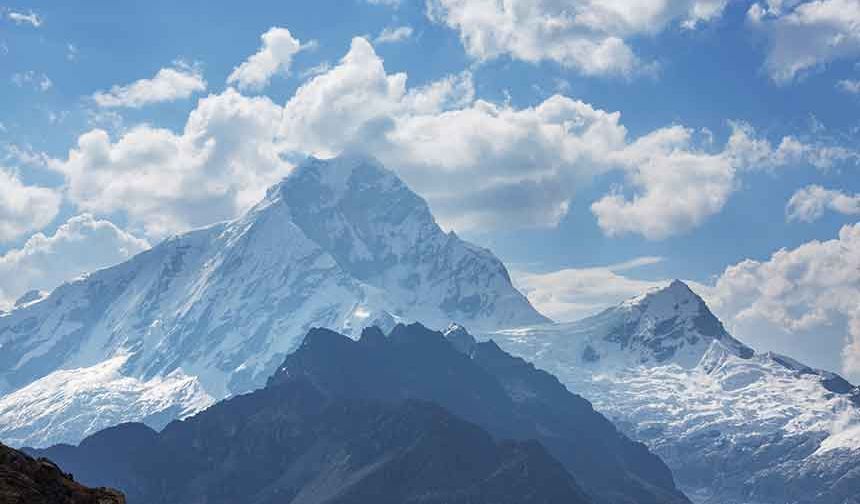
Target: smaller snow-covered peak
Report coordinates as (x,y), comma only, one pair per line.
(676,305)
(669,299)
(671,324)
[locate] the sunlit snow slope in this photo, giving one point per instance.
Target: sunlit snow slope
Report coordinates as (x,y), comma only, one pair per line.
(340,244)
(733,425)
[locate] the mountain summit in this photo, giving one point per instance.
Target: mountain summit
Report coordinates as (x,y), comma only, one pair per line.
(340,243)
(665,325)
(384,235)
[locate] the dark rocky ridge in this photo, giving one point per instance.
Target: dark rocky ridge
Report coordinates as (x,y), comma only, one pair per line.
(25,480)
(345,421)
(295,441)
(289,444)
(485,385)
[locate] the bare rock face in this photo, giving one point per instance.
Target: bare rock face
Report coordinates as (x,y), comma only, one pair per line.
(25,480)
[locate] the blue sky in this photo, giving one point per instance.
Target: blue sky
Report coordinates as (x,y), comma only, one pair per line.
(728,112)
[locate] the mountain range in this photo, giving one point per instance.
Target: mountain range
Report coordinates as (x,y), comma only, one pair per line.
(193,325)
(408,417)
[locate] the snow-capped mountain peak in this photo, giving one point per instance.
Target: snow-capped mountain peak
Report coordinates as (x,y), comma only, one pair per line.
(671,324)
(676,292)
(359,211)
(735,426)
(676,302)
(341,243)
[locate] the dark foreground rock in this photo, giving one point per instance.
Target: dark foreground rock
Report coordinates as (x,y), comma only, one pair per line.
(25,480)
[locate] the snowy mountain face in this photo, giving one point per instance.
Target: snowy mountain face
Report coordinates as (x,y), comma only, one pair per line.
(734,426)
(341,243)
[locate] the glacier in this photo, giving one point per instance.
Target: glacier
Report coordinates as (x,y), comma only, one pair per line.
(340,243)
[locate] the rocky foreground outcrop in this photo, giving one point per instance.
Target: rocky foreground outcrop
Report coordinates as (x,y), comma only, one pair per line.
(25,480)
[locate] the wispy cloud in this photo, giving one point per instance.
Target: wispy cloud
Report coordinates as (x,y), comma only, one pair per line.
(32,78)
(806,35)
(574,293)
(71,52)
(29,18)
(849,86)
(810,203)
(322,68)
(390,3)
(394,34)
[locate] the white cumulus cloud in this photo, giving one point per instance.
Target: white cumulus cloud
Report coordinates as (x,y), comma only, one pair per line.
(675,186)
(481,165)
(502,166)
(505,166)
(333,108)
(588,35)
(82,244)
(803,302)
(274,57)
(24,208)
(164,182)
(169,84)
